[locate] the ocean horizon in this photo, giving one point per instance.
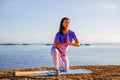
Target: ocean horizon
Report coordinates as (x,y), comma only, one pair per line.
(32,55)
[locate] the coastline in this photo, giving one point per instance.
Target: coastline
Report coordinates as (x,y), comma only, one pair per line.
(100,72)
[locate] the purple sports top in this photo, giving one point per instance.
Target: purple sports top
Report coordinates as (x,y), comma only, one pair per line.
(61,38)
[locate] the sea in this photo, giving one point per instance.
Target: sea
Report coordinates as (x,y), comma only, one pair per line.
(34,55)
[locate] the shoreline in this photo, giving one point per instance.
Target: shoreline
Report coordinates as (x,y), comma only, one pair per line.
(100,72)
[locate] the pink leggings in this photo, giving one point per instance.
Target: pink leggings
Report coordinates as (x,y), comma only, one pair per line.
(59,59)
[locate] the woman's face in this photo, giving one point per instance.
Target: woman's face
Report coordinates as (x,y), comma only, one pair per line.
(66,23)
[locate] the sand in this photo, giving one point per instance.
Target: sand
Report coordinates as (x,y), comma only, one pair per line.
(100,72)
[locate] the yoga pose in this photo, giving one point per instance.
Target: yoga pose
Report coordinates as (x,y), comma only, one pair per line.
(63,39)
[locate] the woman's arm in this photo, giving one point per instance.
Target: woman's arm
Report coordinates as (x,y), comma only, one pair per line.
(76,42)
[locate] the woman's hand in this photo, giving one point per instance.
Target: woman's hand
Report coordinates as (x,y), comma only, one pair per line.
(68,40)
(75,43)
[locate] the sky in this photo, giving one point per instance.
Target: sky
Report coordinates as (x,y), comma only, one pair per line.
(37,21)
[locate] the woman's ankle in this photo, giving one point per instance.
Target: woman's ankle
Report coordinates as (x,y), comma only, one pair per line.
(57,72)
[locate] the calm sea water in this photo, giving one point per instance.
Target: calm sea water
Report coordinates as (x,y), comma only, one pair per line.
(37,55)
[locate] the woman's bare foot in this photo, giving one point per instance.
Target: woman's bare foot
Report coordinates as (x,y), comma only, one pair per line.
(57,72)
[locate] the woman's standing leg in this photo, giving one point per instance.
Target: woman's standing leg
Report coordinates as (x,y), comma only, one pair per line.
(66,61)
(61,63)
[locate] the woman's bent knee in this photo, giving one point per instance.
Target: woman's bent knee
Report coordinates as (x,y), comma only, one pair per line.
(54,51)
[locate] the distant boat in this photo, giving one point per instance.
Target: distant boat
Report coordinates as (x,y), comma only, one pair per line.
(87,44)
(25,44)
(49,44)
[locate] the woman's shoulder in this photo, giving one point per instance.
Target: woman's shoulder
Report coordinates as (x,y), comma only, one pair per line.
(71,32)
(58,33)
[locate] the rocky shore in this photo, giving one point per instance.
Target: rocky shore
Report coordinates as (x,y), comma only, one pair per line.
(100,72)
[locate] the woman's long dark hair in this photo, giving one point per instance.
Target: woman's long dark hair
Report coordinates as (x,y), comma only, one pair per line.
(61,27)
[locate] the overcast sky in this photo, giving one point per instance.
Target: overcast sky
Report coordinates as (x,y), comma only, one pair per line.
(38,20)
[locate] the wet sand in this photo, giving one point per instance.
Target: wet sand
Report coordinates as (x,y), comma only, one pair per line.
(104,72)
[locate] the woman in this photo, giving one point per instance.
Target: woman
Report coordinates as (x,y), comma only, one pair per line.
(63,39)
